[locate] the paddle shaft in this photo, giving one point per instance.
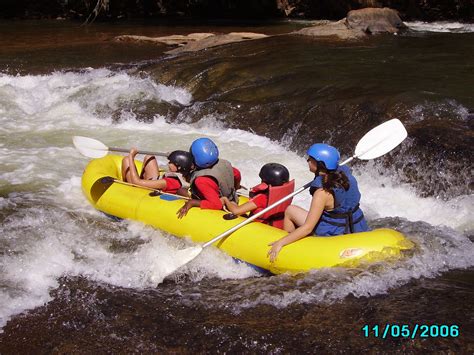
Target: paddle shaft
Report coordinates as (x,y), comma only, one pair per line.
(265,210)
(144,152)
(255,216)
(301,189)
(395,136)
(148,188)
(117,181)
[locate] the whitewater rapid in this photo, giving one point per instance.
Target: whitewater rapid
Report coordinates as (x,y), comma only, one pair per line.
(49,230)
(441,26)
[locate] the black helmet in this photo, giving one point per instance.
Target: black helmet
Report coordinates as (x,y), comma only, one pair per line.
(274,174)
(183,161)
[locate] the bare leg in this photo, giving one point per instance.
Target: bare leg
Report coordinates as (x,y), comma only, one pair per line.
(294,217)
(150,168)
(125,170)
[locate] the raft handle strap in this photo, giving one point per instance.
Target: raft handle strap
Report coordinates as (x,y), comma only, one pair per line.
(229,216)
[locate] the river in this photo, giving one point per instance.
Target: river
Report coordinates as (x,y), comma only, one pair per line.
(72,280)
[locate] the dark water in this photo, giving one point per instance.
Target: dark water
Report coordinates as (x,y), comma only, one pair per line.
(43,46)
(294,90)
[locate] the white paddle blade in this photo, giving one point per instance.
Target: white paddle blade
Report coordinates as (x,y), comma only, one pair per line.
(381,139)
(89,147)
(183,257)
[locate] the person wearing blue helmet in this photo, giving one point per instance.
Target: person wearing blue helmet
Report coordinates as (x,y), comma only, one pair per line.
(334,207)
(212,179)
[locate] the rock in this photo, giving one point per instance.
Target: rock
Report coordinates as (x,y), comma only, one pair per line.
(217,40)
(179,40)
(374,20)
(357,24)
(331,29)
(194,41)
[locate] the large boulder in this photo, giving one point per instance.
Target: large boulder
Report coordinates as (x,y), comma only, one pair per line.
(357,24)
(375,20)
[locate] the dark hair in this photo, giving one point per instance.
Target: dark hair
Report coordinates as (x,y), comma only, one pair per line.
(333,179)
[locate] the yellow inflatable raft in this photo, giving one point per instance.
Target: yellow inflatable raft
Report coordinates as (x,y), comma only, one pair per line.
(249,243)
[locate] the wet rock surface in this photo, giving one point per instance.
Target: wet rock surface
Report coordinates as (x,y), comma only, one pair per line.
(217,40)
(178,40)
(86,317)
(194,41)
(374,20)
(358,24)
(321,95)
(333,29)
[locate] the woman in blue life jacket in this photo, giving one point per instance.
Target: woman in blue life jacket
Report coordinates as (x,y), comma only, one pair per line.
(334,207)
(274,186)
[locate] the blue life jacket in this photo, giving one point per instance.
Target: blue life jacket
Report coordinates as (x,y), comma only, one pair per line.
(346,217)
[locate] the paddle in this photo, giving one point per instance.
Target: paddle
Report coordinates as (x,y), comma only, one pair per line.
(108,180)
(375,143)
(93,148)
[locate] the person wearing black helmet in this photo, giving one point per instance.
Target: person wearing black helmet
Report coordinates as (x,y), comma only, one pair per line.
(275,185)
(180,166)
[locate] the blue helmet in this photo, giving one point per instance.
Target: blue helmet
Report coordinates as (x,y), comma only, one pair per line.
(205,152)
(327,154)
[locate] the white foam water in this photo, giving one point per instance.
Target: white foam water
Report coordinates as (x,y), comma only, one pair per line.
(441,26)
(438,250)
(49,230)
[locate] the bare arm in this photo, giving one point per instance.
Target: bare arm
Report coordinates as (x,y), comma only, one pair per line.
(320,199)
(236,209)
(183,211)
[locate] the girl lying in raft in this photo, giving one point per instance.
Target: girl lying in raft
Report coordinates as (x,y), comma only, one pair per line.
(180,166)
(334,207)
(274,186)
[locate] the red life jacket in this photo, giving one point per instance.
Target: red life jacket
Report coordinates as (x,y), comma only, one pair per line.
(275,216)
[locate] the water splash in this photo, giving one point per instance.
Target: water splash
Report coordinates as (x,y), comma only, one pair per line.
(49,230)
(38,101)
(440,26)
